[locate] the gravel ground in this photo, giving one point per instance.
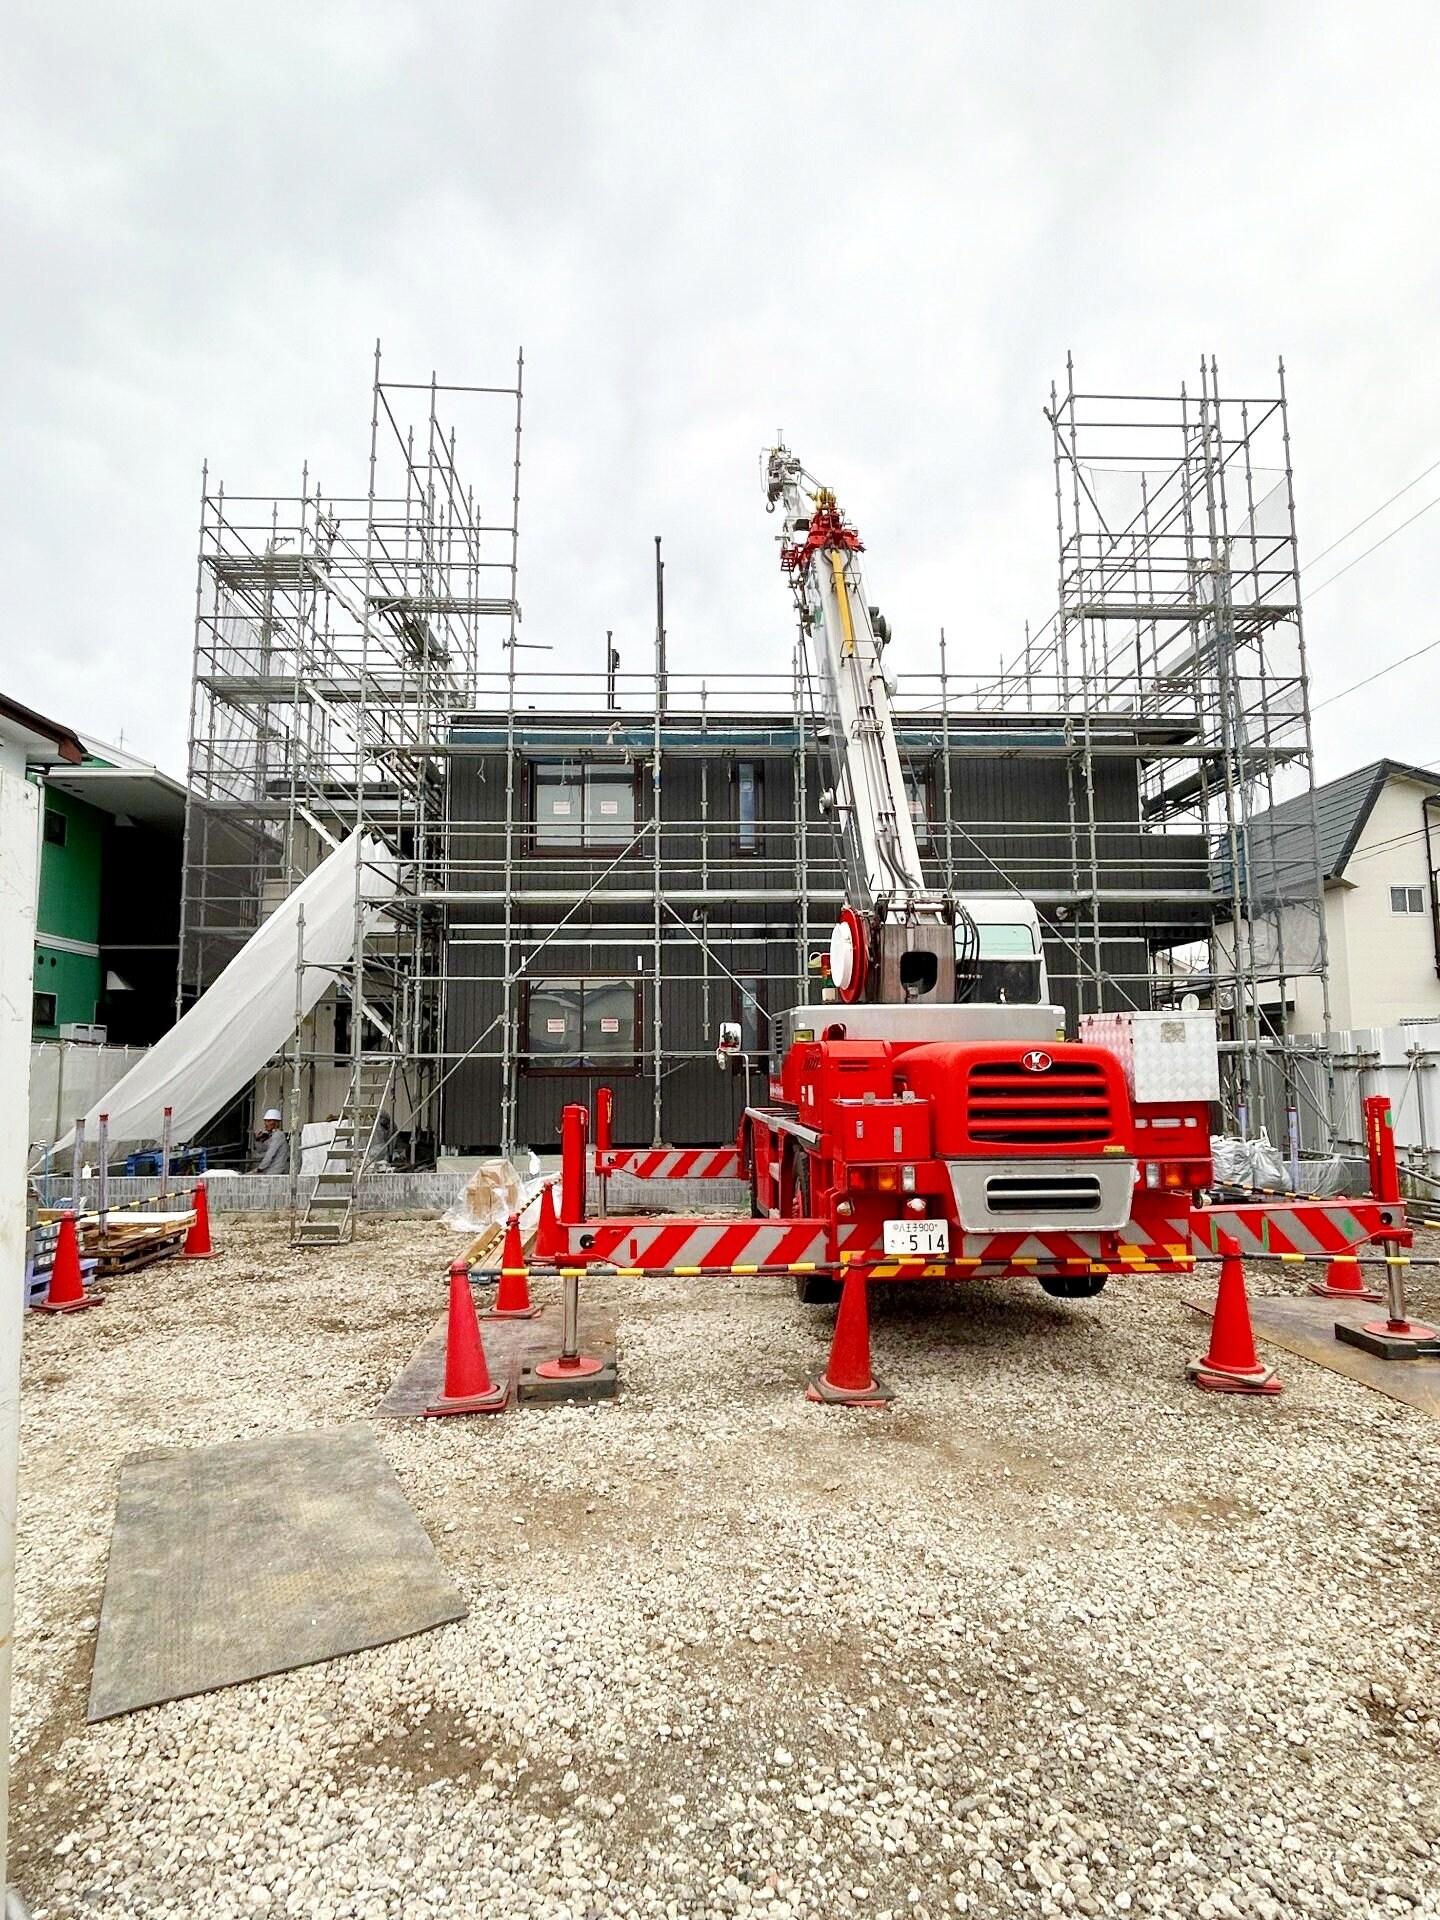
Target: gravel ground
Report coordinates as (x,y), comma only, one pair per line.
(1056,1634)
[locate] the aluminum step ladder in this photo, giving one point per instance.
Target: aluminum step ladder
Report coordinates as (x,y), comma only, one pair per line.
(329,1216)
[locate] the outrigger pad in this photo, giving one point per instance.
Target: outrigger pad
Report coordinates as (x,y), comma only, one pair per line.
(1377,1337)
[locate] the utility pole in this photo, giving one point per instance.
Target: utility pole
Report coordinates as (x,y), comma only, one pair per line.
(661,678)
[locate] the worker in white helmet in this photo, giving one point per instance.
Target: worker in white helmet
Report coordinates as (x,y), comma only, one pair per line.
(270,1152)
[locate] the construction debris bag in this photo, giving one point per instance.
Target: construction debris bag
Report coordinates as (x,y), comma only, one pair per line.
(1248,1163)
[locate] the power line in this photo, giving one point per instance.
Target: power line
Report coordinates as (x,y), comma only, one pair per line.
(1312,591)
(1379,672)
(1369,517)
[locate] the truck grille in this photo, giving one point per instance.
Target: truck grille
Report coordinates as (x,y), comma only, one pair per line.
(1035,1194)
(1067,1105)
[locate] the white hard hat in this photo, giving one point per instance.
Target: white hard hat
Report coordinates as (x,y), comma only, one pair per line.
(272,1113)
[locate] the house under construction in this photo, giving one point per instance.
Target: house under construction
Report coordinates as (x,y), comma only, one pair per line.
(596,870)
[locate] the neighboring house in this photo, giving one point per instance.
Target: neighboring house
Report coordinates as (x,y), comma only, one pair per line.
(107,932)
(30,743)
(1379,848)
(108,898)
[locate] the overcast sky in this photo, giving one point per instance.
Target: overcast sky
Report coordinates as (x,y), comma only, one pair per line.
(880,227)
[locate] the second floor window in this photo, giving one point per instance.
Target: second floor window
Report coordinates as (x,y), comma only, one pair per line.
(581,804)
(747,783)
(1407,900)
(917,792)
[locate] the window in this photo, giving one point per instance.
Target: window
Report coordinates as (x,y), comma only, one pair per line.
(747,787)
(43,1008)
(1008,968)
(55,828)
(589,1025)
(1407,900)
(917,792)
(581,805)
(750,1012)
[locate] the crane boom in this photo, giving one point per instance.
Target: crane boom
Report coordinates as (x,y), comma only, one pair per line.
(899,938)
(821,554)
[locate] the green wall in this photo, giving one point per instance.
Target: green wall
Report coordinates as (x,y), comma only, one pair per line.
(69,907)
(74,979)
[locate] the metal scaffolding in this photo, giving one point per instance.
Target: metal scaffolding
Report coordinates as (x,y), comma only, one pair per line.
(1135,770)
(334,633)
(1179,608)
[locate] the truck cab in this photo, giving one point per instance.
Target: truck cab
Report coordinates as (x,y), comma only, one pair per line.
(1010,969)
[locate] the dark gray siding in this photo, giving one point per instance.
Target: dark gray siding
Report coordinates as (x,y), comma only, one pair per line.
(1011,806)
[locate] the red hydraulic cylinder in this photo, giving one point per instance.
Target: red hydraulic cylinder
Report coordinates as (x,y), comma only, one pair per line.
(1380,1144)
(574,1125)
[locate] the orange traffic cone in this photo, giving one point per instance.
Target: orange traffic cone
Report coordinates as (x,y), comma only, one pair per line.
(512,1296)
(1232,1364)
(197,1241)
(66,1291)
(847,1380)
(468,1386)
(547,1234)
(1344,1281)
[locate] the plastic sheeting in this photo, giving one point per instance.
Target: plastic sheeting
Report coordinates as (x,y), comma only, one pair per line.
(246,1017)
(492,1193)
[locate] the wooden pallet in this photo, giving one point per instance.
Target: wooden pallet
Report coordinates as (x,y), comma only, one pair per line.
(132,1241)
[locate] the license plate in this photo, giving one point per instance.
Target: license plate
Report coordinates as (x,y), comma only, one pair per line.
(917,1236)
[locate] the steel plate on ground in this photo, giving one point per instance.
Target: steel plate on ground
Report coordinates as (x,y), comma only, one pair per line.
(230,1562)
(511,1349)
(1305,1324)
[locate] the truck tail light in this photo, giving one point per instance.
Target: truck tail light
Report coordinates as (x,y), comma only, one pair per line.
(907,1179)
(1167,1174)
(887,1179)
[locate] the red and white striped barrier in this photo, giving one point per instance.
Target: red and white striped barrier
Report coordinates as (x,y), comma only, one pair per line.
(670,1163)
(1319,1229)
(697,1246)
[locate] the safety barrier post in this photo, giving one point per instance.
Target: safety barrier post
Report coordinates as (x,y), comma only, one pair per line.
(1380,1145)
(164,1160)
(604,1140)
(77,1165)
(102,1196)
(574,1125)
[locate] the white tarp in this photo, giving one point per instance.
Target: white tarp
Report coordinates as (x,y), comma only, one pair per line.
(247,1016)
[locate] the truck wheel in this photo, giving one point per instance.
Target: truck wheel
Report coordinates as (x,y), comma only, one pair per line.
(1073,1286)
(811,1289)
